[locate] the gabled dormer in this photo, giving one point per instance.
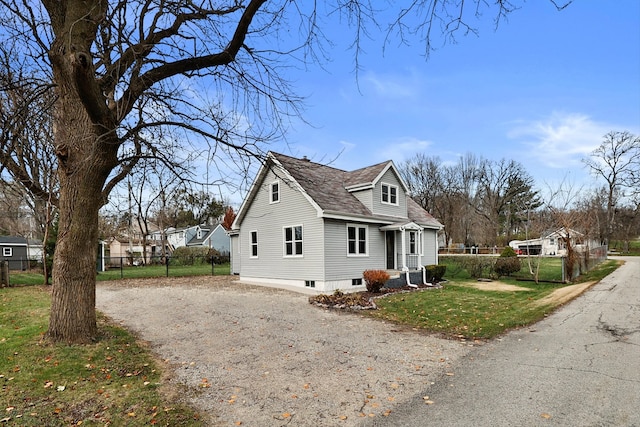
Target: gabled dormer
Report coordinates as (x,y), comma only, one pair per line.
(380,188)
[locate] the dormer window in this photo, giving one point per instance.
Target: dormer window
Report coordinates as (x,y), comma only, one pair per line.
(274,192)
(389,194)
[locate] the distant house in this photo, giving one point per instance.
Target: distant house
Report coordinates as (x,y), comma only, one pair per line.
(305,224)
(15,251)
(551,243)
(215,237)
(208,236)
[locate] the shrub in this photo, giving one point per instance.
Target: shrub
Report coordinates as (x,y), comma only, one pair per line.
(435,272)
(375,279)
(190,256)
(478,266)
(505,266)
(508,252)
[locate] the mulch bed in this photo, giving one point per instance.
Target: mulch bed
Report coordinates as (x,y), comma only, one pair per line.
(364,300)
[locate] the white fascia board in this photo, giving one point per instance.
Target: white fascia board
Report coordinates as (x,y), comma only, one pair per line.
(360,187)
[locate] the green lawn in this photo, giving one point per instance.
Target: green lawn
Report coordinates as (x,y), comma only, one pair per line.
(31,278)
(461,311)
(115,381)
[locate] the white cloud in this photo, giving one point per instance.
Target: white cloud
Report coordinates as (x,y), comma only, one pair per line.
(560,140)
(403,149)
(392,86)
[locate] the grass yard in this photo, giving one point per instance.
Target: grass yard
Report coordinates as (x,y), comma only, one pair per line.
(31,278)
(459,310)
(112,382)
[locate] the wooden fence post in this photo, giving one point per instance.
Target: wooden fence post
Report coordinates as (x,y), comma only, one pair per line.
(4,273)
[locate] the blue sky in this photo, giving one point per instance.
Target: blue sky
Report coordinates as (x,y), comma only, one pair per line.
(542,89)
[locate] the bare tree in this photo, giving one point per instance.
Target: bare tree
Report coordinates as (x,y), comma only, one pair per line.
(617,162)
(27,160)
(125,71)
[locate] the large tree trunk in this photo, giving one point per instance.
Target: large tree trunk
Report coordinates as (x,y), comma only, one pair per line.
(73,317)
(86,148)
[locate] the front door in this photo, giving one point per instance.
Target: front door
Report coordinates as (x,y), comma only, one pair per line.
(391,250)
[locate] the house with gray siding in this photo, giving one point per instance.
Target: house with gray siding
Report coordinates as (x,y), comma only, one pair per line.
(14,250)
(305,224)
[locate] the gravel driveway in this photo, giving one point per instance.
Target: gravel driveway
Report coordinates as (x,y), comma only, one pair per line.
(270,358)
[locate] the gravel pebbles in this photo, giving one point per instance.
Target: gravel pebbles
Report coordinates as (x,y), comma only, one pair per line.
(257,356)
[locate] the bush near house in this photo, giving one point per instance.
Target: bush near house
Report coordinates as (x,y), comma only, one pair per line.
(195,256)
(375,279)
(507,263)
(435,272)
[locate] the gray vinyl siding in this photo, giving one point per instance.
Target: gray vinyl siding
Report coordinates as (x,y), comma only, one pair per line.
(343,267)
(429,242)
(365,197)
(220,240)
(236,256)
(269,220)
(380,208)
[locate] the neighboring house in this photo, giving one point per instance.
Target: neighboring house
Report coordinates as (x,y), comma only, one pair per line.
(551,243)
(308,224)
(211,237)
(125,251)
(14,250)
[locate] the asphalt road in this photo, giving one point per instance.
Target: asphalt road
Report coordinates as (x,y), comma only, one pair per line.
(578,367)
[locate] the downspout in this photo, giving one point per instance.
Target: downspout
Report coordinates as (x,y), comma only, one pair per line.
(405,269)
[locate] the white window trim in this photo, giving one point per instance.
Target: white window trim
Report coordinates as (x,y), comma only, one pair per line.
(271,201)
(389,186)
(7,251)
(251,255)
(284,241)
(418,244)
(358,227)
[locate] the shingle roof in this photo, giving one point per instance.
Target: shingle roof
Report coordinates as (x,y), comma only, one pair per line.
(13,240)
(327,186)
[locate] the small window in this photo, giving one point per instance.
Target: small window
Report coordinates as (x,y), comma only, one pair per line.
(7,251)
(413,236)
(274,191)
(254,244)
(356,282)
(310,283)
(356,240)
(293,241)
(389,194)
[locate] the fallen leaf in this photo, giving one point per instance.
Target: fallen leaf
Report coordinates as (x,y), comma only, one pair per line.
(286,415)
(394,386)
(238,423)
(545,415)
(343,417)
(387,413)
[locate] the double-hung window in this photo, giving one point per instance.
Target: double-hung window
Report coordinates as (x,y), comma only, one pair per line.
(389,194)
(293,241)
(356,240)
(254,244)
(7,252)
(274,192)
(413,237)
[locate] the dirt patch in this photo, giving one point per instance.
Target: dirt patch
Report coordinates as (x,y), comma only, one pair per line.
(259,356)
(495,286)
(564,294)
